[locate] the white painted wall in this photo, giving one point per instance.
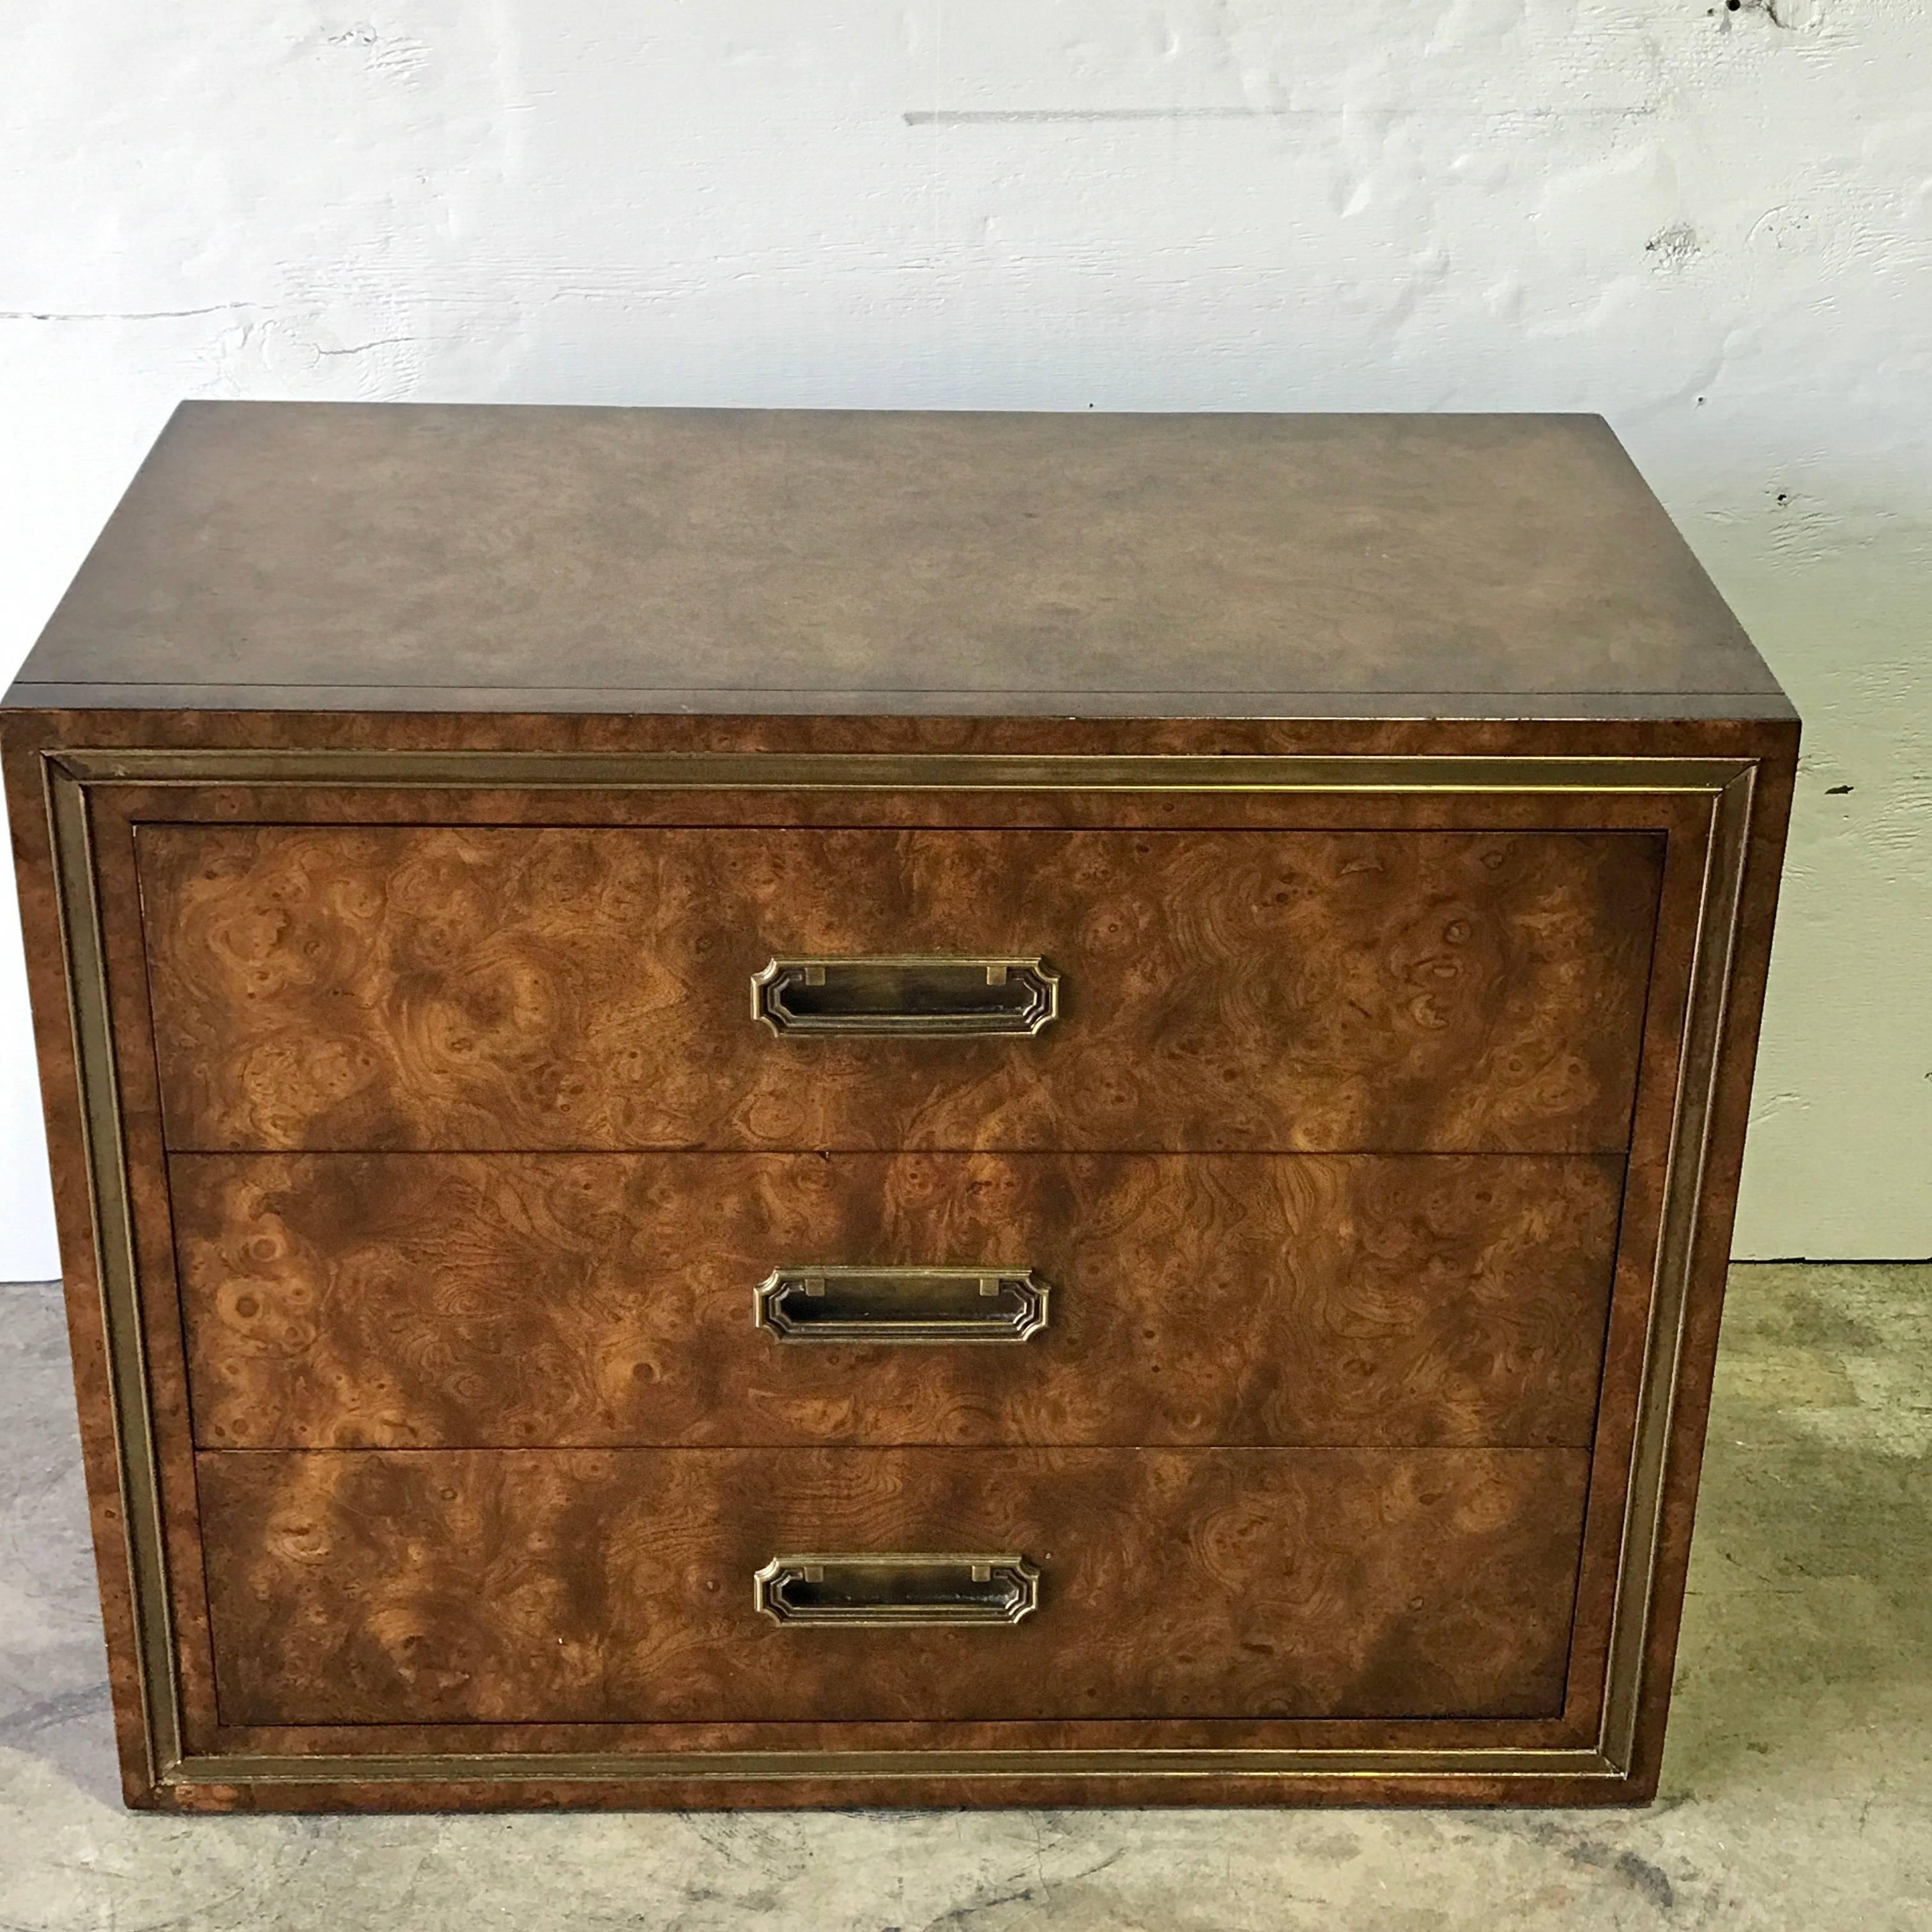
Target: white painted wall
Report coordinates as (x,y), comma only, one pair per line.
(1714,225)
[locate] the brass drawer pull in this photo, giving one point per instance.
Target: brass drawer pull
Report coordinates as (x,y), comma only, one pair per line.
(897,1587)
(908,1304)
(905,995)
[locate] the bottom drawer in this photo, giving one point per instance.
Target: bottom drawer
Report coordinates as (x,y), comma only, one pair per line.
(592,1585)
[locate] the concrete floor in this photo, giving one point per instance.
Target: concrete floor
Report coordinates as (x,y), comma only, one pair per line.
(1797,1792)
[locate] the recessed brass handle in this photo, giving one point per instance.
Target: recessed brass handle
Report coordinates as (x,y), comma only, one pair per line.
(897,1587)
(901,1305)
(905,994)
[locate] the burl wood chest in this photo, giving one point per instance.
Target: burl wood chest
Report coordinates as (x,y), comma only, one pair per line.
(861,1108)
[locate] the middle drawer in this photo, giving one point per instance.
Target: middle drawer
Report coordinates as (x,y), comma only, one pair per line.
(474,1301)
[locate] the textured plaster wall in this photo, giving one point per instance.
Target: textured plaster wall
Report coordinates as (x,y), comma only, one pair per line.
(1712,224)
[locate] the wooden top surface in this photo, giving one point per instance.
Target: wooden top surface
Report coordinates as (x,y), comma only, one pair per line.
(330,556)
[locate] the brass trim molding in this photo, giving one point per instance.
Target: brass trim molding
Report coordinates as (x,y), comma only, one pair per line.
(110,1208)
(71,775)
(1726,848)
(910,771)
(752,1766)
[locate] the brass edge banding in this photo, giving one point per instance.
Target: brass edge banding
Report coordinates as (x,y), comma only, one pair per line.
(745,1766)
(808,771)
(69,772)
(1687,1155)
(111,1213)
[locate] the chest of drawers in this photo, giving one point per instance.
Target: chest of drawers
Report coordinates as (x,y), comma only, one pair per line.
(759,1108)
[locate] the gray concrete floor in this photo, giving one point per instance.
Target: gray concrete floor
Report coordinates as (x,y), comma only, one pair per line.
(1797,1792)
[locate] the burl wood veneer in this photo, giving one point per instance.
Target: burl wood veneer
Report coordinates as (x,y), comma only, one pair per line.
(514,988)
(760,1108)
(588,1586)
(338,1301)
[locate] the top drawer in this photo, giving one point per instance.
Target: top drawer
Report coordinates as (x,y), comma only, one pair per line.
(339,987)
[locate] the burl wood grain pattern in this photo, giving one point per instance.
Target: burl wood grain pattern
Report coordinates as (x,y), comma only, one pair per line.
(345,1300)
(514,987)
(508,1586)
